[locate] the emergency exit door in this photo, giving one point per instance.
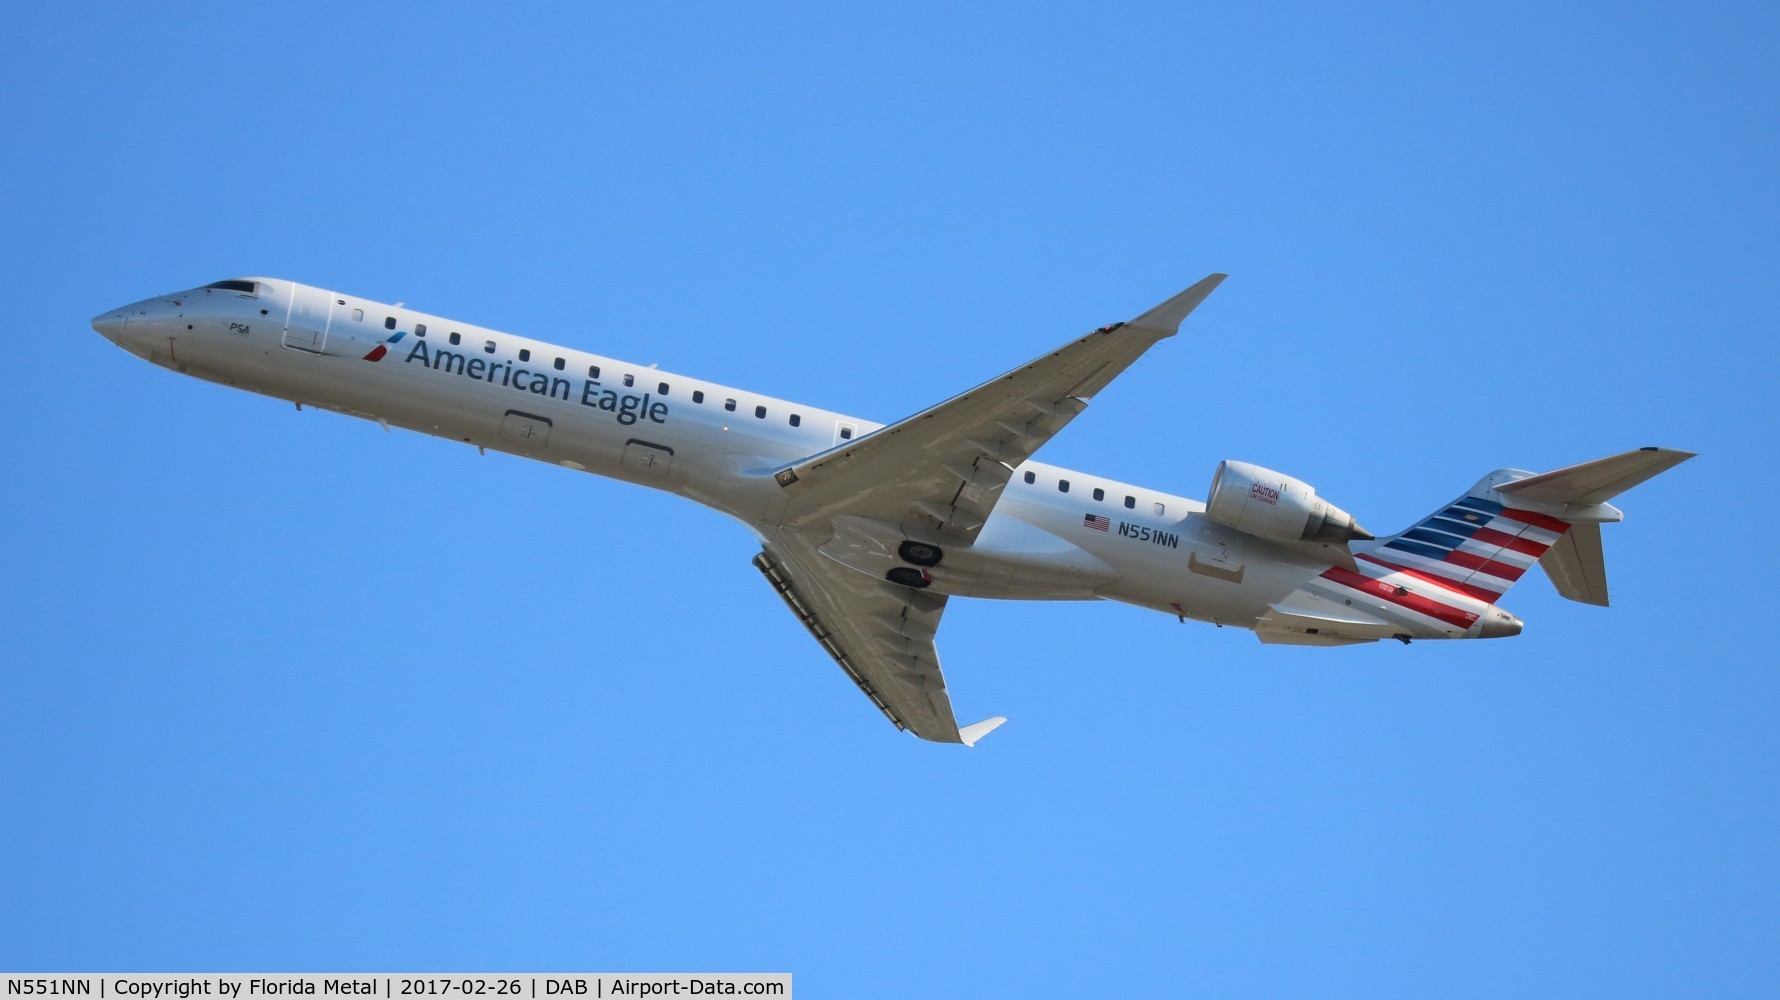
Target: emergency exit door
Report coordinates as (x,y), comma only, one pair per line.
(306,320)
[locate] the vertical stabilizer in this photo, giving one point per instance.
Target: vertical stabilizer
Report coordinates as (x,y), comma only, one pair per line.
(1476,545)
(1483,543)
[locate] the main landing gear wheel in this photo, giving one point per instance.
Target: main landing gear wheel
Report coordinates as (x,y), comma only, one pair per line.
(907,577)
(920,553)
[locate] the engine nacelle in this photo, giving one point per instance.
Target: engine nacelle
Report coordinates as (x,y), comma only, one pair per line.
(1276,507)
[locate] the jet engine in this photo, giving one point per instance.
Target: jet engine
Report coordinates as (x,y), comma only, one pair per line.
(1276,507)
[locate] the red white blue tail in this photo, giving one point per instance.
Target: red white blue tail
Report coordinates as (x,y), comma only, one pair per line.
(1482,543)
(1476,545)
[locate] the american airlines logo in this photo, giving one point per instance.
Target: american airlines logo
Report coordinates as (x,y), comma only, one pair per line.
(380,350)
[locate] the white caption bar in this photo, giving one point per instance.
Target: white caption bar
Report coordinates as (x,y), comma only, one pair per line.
(394,985)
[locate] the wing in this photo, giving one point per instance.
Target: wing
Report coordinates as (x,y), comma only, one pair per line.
(879,633)
(942,469)
(945,467)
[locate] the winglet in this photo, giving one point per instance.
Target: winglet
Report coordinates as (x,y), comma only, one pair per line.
(970,734)
(1166,318)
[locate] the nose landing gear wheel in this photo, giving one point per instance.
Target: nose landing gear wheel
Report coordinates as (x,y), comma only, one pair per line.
(920,553)
(907,577)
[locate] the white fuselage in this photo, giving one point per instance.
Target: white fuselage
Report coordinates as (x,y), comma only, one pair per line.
(714,444)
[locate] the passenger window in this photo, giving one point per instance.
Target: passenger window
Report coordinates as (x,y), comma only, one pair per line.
(488,347)
(846,433)
(525,354)
(1130,503)
(593,372)
(661,388)
(1030,478)
(560,363)
(760,411)
(1159,510)
(358,315)
(1099,494)
(1062,486)
(630,380)
(796,420)
(729,404)
(420,329)
(389,322)
(455,340)
(698,395)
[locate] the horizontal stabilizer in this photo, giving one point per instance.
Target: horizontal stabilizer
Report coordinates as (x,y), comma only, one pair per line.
(1598,481)
(976,731)
(1576,565)
(1574,561)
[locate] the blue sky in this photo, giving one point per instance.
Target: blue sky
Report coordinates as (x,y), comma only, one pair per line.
(285,692)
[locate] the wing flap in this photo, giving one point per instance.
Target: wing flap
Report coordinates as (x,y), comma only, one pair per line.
(781,582)
(879,634)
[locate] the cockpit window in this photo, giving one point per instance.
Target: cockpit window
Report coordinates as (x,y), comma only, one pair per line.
(235,285)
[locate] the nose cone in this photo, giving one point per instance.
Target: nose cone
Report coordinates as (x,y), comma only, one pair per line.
(1498,624)
(110,325)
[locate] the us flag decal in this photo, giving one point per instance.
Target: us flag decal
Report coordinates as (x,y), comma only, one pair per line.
(1096,522)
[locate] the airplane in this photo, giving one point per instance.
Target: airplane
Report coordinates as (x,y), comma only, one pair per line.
(867,530)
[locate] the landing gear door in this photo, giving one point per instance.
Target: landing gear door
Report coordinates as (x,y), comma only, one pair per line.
(307,319)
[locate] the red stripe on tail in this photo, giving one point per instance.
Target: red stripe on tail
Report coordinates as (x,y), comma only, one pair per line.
(1408,599)
(1537,520)
(1490,536)
(1482,565)
(1469,590)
